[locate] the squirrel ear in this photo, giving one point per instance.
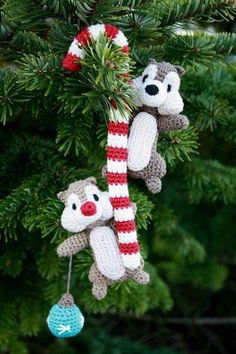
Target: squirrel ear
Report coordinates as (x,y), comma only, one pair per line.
(151,61)
(62,196)
(180,70)
(91,180)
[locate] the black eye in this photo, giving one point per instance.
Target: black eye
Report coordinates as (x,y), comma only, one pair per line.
(96,198)
(168,88)
(144,78)
(74,207)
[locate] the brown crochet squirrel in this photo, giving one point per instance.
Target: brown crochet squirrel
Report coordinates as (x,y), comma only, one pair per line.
(157,91)
(88,212)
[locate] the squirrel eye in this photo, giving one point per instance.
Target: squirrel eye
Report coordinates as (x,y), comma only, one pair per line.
(96,198)
(74,207)
(144,78)
(169,88)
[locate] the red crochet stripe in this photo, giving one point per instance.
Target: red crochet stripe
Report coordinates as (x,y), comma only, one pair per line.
(111,31)
(116,178)
(118,128)
(71,62)
(113,103)
(125,49)
(119,154)
(129,248)
(125,226)
(84,37)
(120,202)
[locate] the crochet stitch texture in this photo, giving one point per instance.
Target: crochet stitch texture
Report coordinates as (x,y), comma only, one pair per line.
(97,231)
(117,153)
(157,91)
(65,319)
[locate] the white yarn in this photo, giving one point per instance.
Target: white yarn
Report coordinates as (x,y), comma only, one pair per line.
(131,261)
(107,212)
(118,191)
(96,30)
(116,166)
(124,214)
(125,237)
(74,221)
(76,50)
(153,100)
(151,71)
(167,102)
(120,40)
(116,116)
(173,103)
(142,136)
(104,244)
(116,140)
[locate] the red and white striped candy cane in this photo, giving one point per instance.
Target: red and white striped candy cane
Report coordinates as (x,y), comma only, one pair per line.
(116,147)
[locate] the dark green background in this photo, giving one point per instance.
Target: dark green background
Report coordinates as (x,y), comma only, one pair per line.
(53,132)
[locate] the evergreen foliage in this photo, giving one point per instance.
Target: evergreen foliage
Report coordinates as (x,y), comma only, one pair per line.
(53,132)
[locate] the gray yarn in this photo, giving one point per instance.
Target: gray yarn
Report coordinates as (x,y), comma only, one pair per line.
(80,241)
(66,300)
(156,167)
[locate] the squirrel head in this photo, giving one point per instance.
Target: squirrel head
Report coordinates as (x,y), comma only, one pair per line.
(84,205)
(158,87)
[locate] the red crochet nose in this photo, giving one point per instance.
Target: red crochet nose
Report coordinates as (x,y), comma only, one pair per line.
(88,209)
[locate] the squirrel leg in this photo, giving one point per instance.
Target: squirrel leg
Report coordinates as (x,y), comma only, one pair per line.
(160,166)
(99,289)
(153,184)
(157,170)
(138,275)
(141,277)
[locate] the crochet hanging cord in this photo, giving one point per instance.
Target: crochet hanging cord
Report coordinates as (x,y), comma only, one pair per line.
(117,142)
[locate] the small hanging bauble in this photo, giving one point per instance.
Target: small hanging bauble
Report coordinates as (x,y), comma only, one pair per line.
(65,318)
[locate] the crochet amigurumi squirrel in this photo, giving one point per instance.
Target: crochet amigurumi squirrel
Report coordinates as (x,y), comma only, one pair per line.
(157,91)
(89,213)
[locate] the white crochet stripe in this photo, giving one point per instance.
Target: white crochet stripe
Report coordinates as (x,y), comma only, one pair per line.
(116,116)
(120,190)
(74,49)
(116,166)
(115,140)
(124,214)
(96,30)
(120,40)
(131,261)
(127,237)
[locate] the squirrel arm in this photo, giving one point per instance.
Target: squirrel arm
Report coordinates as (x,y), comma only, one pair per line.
(142,136)
(73,245)
(173,122)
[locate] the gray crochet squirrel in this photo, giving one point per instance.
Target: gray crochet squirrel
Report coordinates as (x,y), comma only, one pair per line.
(160,103)
(89,213)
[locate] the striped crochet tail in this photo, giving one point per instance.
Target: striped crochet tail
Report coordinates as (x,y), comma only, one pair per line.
(117,152)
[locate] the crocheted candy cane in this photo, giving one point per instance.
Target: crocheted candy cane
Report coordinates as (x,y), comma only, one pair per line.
(116,147)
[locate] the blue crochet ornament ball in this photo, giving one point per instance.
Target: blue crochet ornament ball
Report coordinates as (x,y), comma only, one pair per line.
(65,318)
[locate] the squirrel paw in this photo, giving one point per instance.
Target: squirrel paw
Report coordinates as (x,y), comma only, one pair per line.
(153,184)
(64,251)
(99,290)
(142,277)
